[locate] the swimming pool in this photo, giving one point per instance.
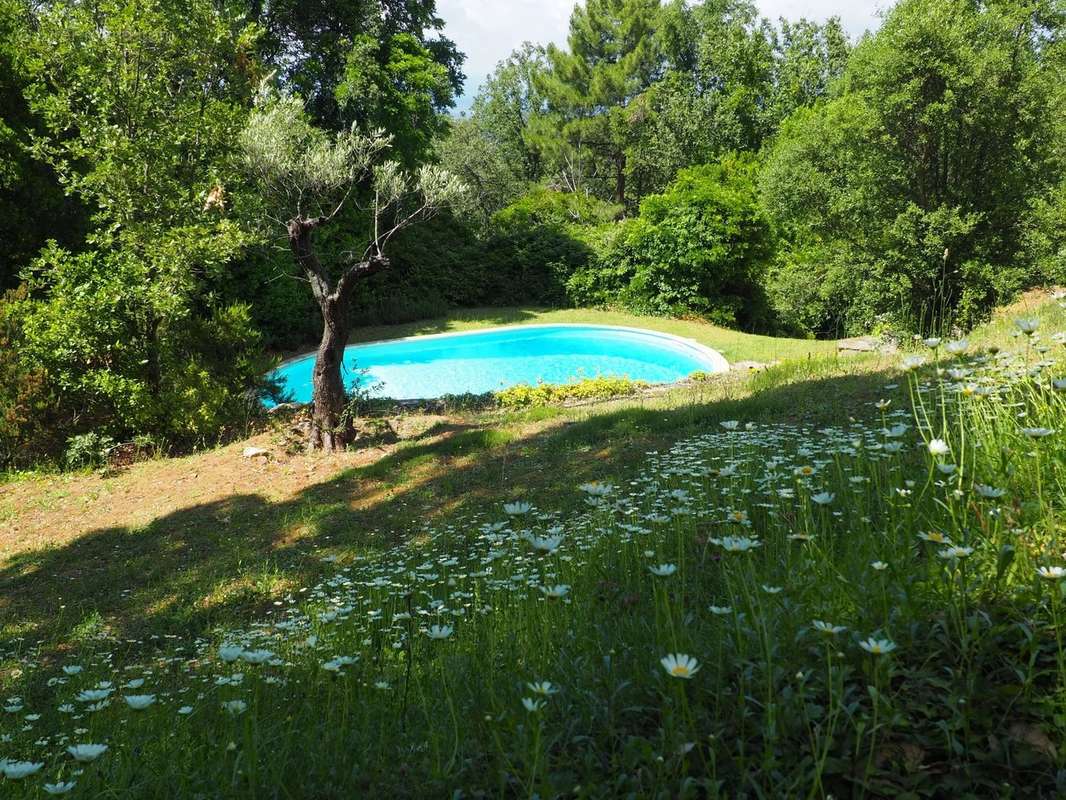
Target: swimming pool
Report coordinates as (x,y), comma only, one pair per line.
(424,367)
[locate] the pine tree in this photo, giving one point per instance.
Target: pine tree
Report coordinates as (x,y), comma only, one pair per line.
(613,57)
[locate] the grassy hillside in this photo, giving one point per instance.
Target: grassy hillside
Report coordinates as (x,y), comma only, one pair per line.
(835,577)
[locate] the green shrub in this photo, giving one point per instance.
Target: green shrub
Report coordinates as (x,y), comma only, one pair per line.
(542,206)
(211,388)
(706,245)
(536,244)
(530,265)
(825,289)
(604,277)
(282,307)
(1044,236)
(127,351)
(525,258)
(697,249)
(87,450)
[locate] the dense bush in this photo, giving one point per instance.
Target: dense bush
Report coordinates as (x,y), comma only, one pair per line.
(543,206)
(699,248)
(440,264)
(1044,235)
(87,450)
(280,301)
(606,275)
(524,257)
(807,286)
(546,394)
(434,267)
(130,348)
(525,395)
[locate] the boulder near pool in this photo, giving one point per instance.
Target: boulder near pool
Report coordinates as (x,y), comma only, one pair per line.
(424,367)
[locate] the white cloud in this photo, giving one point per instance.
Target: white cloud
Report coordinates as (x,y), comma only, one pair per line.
(488,30)
(857,16)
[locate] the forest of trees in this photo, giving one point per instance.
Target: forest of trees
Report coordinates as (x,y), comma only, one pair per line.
(673,158)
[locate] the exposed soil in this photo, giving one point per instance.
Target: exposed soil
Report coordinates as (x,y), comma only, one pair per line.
(51,511)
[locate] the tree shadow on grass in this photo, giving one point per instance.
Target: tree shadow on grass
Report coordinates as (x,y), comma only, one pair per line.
(225,561)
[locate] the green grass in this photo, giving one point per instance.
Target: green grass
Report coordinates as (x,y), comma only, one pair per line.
(811,507)
(734,345)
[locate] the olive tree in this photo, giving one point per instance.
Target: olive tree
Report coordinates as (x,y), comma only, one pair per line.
(307,176)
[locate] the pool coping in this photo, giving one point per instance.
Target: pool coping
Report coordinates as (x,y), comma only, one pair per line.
(717,359)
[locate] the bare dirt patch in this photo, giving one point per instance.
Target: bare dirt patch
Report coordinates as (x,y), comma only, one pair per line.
(53,510)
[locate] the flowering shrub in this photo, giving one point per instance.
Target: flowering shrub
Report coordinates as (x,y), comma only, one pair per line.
(546,394)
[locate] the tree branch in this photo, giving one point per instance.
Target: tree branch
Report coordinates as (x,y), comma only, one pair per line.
(360,270)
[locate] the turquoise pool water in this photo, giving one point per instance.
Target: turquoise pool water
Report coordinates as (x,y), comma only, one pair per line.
(423,367)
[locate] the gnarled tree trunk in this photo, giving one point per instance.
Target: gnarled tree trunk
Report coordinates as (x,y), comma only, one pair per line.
(331,428)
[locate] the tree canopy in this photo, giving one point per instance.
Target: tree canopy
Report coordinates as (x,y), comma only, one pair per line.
(316,44)
(918,176)
(612,56)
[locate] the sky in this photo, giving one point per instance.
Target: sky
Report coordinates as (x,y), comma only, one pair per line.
(488,30)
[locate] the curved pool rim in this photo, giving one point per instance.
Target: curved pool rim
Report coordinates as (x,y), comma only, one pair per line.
(718,362)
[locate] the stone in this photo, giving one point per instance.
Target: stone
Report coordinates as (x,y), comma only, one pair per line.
(286,408)
(867,344)
(859,344)
(252,452)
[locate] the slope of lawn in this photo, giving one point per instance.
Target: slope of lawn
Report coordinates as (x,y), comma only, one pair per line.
(734,345)
(836,577)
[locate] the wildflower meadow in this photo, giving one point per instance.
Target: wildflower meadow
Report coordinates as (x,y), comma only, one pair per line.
(868,608)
